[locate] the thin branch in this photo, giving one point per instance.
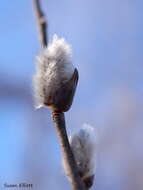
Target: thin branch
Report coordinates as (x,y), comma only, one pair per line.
(42,24)
(59,118)
(67,154)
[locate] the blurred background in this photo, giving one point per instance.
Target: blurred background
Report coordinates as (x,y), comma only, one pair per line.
(107,41)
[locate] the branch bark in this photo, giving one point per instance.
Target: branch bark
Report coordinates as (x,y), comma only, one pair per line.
(59,120)
(42,24)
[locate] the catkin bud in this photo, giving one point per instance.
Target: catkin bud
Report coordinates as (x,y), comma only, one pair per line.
(56,78)
(83,147)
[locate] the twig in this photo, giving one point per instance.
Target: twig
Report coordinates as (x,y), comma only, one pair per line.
(59,118)
(60,126)
(42,24)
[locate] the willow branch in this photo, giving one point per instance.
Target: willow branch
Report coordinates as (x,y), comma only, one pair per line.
(42,24)
(59,120)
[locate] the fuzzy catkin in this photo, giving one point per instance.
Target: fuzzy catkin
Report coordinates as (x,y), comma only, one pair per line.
(54,66)
(83,147)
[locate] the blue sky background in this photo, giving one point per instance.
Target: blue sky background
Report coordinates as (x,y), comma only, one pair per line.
(107,42)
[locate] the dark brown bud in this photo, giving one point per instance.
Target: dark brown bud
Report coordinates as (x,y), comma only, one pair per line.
(61,99)
(88,181)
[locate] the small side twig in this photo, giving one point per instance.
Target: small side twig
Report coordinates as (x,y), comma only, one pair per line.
(59,120)
(42,24)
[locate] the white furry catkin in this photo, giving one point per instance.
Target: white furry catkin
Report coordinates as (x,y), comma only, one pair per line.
(83,147)
(54,67)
